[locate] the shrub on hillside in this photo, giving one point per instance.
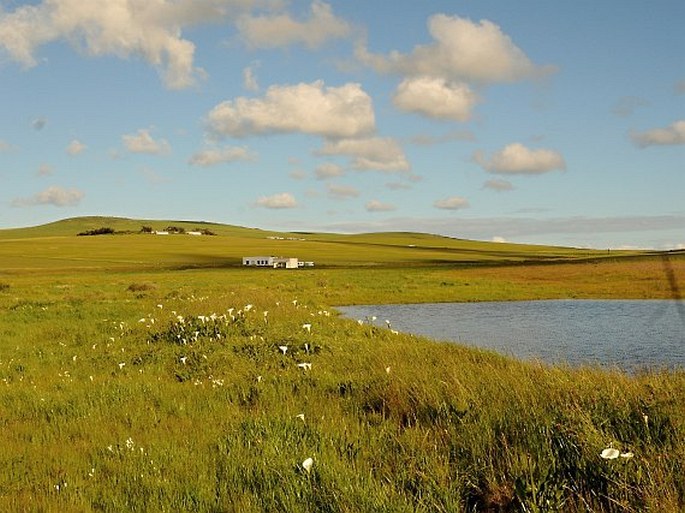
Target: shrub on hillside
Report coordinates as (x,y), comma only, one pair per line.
(98,231)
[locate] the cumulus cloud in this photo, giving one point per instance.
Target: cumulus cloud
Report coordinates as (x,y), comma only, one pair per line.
(123,28)
(397,186)
(249,79)
(436,98)
(56,196)
(213,156)
(344,111)
(76,147)
(45,170)
(462,50)
(379,206)
(517,159)
(143,142)
(297,174)
(274,31)
(375,153)
(674,134)
(277,201)
(342,191)
(451,203)
(328,170)
(498,185)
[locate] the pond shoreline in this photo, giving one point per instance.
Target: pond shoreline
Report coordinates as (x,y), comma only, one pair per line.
(628,333)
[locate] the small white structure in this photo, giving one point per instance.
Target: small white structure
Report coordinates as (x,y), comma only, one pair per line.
(274,262)
(259,261)
(286,263)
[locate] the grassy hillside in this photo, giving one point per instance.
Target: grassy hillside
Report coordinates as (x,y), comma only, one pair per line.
(75,225)
(58,246)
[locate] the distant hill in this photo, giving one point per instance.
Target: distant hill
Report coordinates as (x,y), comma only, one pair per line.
(57,246)
(76,225)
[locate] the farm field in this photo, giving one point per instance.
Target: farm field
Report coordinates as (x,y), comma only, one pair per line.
(155,373)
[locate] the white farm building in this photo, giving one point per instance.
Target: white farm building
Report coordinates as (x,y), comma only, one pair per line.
(275,262)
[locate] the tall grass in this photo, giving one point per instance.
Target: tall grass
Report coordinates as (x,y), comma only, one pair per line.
(147,374)
(175,396)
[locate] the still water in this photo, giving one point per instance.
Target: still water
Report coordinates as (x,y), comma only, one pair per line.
(628,334)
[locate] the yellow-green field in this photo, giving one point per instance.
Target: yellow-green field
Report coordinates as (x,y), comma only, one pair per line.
(145,373)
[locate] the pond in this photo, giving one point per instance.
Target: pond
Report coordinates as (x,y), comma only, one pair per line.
(630,334)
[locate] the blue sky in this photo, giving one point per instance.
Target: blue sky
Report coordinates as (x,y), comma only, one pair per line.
(544,122)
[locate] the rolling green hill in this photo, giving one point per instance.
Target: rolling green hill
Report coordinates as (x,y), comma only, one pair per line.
(57,246)
(75,225)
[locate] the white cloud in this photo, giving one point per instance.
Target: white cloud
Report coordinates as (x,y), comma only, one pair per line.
(142,142)
(378,153)
(397,186)
(436,98)
(328,170)
(277,201)
(342,191)
(498,239)
(123,28)
(282,30)
(213,156)
(76,147)
(45,170)
(674,134)
(462,51)
(379,206)
(56,196)
(452,203)
(498,185)
(344,111)
(249,79)
(297,174)
(517,159)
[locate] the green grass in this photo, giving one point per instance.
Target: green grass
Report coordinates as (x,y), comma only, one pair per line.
(56,247)
(110,403)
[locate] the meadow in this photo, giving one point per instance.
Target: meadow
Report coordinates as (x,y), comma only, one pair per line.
(154,373)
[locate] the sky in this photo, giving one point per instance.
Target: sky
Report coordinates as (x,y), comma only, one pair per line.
(531,121)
